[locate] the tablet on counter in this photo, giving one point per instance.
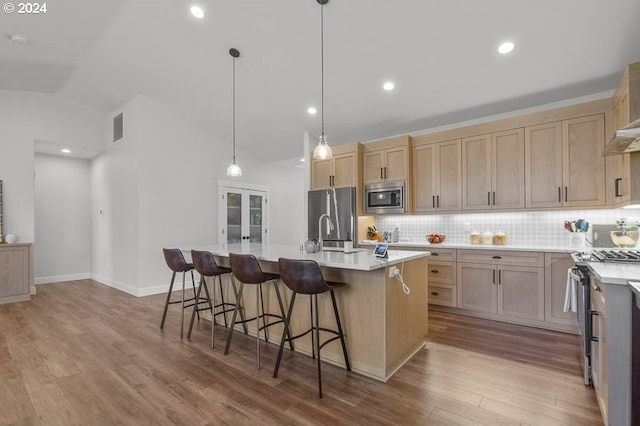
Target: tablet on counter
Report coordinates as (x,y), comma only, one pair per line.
(380,250)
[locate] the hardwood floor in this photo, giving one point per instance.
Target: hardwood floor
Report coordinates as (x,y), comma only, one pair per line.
(83,353)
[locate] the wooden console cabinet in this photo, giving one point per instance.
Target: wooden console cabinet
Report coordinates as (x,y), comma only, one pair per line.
(16,272)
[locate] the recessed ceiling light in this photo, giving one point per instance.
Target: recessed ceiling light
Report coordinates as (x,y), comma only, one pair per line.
(302,160)
(66,151)
(388,85)
(312,110)
(17,38)
(197,12)
(506,47)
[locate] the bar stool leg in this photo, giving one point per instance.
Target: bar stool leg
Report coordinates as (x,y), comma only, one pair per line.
(258,293)
(275,284)
(233,318)
(195,307)
(193,284)
(344,345)
(284,334)
(224,314)
(182,313)
(213,310)
(264,317)
(166,304)
(237,296)
(313,337)
(317,330)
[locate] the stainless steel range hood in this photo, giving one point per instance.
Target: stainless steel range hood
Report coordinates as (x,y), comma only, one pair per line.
(626,139)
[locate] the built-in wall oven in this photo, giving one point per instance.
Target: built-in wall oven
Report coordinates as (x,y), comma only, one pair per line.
(385,198)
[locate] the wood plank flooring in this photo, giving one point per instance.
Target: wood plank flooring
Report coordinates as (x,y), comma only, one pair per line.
(83,353)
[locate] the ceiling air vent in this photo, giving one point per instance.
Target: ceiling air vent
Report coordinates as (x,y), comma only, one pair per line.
(117,128)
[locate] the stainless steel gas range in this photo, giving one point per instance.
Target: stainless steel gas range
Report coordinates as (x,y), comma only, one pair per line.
(581,274)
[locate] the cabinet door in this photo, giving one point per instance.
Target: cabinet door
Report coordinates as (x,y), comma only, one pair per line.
(345,168)
(507,169)
(396,163)
(321,171)
(583,178)
(476,173)
(14,270)
(424,191)
(521,292)
(599,347)
(555,283)
(449,176)
(372,166)
(477,287)
(543,166)
(621,163)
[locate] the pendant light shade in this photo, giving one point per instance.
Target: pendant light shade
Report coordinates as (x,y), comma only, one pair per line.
(234,170)
(322,151)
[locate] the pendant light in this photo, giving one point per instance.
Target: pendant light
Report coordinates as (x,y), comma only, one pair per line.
(234,169)
(322,151)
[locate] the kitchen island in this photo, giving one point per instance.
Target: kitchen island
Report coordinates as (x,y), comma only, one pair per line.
(383,326)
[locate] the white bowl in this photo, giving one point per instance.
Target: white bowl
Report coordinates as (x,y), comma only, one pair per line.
(10,238)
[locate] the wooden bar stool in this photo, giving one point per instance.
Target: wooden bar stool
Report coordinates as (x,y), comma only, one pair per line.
(175,262)
(246,269)
(206,266)
(305,277)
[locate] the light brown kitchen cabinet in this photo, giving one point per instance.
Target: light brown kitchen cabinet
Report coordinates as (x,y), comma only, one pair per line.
(564,163)
(16,272)
(442,277)
(626,108)
(437,177)
(493,172)
(340,171)
(599,367)
(556,266)
(386,160)
(509,284)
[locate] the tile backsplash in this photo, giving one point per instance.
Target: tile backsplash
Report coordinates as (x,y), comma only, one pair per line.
(536,228)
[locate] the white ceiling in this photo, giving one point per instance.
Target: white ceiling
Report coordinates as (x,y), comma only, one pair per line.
(440,53)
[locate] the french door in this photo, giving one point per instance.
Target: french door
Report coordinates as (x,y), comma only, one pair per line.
(243,215)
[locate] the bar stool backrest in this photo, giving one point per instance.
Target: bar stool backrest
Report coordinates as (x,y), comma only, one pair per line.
(205,263)
(175,260)
(245,267)
(302,276)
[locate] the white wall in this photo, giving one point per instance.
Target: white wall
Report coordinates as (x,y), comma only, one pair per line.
(62,219)
(25,117)
(158,188)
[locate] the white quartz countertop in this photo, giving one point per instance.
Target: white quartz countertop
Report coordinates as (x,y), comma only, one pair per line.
(426,245)
(614,273)
(360,259)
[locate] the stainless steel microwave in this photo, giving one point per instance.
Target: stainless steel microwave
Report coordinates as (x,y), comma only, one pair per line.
(385,198)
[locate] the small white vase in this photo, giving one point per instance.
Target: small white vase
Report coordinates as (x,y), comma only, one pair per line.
(10,238)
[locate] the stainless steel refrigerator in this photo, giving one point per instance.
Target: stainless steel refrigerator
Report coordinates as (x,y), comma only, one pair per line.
(340,205)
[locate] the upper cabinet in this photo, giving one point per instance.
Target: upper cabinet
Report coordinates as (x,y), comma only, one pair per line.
(386,160)
(437,177)
(493,171)
(341,170)
(564,163)
(626,108)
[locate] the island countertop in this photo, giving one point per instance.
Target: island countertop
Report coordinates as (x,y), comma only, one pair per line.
(359,260)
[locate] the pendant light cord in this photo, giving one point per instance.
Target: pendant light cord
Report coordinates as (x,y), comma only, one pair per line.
(322,68)
(233,133)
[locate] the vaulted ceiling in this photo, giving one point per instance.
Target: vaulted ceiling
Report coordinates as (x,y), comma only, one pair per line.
(441,54)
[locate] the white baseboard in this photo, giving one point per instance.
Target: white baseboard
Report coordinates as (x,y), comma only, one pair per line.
(61,278)
(138,292)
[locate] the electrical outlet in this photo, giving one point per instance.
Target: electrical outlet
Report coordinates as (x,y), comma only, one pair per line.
(393,271)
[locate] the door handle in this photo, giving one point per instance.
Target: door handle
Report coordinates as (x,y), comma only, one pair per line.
(438,198)
(494,276)
(494,198)
(385,172)
(488,198)
(566,192)
(617,184)
(559,195)
(381,176)
(500,276)
(433,201)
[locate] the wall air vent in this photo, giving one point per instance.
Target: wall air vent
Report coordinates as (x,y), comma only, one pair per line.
(117,128)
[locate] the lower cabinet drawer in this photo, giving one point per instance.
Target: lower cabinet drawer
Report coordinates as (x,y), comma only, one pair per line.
(444,295)
(442,273)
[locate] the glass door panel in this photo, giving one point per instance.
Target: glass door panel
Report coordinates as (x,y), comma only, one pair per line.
(255,218)
(234,217)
